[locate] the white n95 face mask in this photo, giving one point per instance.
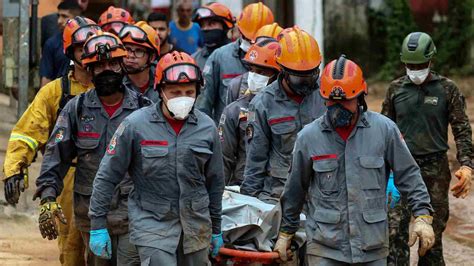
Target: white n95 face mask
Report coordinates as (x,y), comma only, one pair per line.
(257,82)
(418,76)
(180,107)
(244,44)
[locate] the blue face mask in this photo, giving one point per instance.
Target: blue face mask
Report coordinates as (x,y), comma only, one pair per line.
(339,116)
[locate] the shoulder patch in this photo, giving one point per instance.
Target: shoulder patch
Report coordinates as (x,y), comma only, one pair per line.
(251,116)
(112,145)
(249,132)
(223,118)
(59,135)
(120,130)
(220,130)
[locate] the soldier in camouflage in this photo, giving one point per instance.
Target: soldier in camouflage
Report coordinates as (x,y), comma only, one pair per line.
(423,104)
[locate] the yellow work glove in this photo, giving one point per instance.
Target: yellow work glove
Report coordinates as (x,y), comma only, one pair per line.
(48,226)
(421,228)
(282,246)
(463,186)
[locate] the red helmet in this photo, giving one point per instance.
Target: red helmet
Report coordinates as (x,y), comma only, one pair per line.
(216,11)
(175,68)
(77,31)
(102,46)
(114,18)
(342,79)
(141,34)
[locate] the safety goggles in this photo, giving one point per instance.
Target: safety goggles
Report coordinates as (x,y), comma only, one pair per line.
(114,27)
(100,44)
(181,74)
(135,33)
(81,34)
(202,13)
(300,80)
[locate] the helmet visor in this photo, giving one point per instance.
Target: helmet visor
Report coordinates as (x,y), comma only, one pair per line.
(135,32)
(81,34)
(92,46)
(202,13)
(113,27)
(181,74)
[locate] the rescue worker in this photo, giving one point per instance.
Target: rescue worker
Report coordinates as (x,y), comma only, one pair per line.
(215,20)
(173,153)
(83,130)
(32,130)
(239,85)
(159,22)
(263,70)
(278,113)
(225,63)
(423,103)
(53,62)
(143,48)
(339,172)
(114,19)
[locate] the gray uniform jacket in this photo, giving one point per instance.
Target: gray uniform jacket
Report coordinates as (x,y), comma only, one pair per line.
(178,180)
(150,92)
(84,132)
(222,66)
(274,120)
(342,185)
(237,88)
(232,126)
(201,56)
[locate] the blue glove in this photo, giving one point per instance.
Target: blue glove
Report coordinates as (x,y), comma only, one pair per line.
(392,192)
(216,243)
(100,243)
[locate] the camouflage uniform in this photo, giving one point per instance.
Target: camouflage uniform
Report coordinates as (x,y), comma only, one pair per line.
(423,113)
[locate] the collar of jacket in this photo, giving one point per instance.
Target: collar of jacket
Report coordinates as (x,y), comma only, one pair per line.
(236,48)
(128,82)
(70,76)
(433,77)
(158,116)
(130,100)
(361,122)
(207,51)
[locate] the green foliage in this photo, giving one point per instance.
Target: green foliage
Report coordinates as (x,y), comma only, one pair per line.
(452,37)
(399,23)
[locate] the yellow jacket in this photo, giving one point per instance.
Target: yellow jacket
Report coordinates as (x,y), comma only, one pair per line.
(32,131)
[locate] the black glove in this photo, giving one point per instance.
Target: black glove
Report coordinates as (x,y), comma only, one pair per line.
(14,185)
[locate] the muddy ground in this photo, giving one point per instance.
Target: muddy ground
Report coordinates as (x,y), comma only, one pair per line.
(21,242)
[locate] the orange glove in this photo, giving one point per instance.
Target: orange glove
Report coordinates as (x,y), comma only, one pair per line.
(463,186)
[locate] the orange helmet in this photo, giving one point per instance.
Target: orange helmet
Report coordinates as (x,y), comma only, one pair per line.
(215,11)
(342,79)
(177,67)
(141,34)
(269,30)
(262,54)
(299,51)
(77,31)
(102,46)
(252,18)
(114,18)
